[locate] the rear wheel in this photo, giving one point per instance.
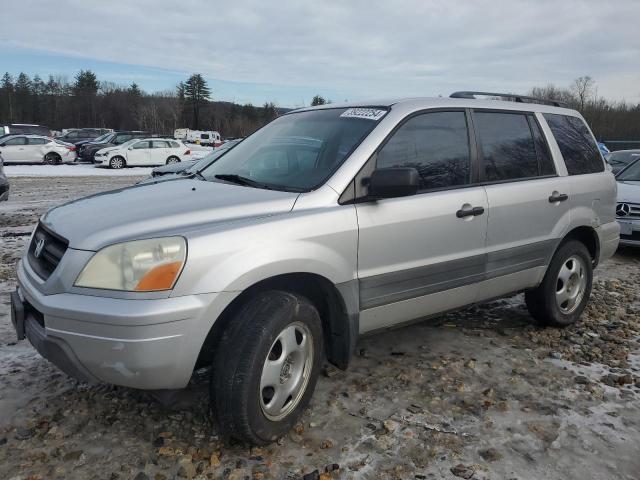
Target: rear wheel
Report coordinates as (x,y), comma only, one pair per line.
(117,162)
(565,289)
(266,367)
(52,158)
(171,160)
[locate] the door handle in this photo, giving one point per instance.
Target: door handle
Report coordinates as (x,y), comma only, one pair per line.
(469,212)
(558,197)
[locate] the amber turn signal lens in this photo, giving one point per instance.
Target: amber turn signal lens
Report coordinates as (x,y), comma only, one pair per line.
(160,277)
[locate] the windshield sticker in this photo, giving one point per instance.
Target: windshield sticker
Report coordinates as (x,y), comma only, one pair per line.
(368,113)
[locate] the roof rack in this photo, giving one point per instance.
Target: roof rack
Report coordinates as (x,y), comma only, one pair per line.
(509,97)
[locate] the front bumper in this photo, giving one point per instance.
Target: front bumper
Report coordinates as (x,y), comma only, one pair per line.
(146,344)
(629,232)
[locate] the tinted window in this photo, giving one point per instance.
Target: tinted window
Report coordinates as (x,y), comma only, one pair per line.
(140,145)
(18,129)
(122,138)
(204,136)
(16,141)
(579,150)
(507,146)
(159,144)
(436,144)
(37,141)
(174,144)
(545,162)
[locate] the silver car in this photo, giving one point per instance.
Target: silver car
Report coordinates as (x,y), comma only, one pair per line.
(327,223)
(628,207)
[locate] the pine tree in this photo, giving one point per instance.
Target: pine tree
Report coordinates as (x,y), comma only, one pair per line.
(318,100)
(196,93)
(23,91)
(6,98)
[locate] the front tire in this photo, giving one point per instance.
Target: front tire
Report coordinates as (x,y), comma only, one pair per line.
(266,367)
(117,163)
(565,289)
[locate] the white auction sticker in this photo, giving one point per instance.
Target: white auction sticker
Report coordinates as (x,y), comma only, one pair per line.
(368,113)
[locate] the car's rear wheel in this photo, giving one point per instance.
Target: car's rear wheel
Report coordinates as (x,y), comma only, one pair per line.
(171,160)
(117,162)
(52,158)
(565,289)
(266,367)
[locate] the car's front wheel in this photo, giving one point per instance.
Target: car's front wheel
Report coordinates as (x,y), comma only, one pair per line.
(117,162)
(266,367)
(565,289)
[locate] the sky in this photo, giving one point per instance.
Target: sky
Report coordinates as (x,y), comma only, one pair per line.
(253,51)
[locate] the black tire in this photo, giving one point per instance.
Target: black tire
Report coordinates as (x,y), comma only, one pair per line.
(237,399)
(542,302)
(172,159)
(117,162)
(52,158)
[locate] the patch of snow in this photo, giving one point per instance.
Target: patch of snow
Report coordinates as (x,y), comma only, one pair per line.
(79,170)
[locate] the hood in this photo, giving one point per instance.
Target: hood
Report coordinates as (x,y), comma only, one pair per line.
(629,192)
(166,208)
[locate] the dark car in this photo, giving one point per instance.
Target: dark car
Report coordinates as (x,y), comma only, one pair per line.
(87,150)
(4,183)
(621,158)
(79,134)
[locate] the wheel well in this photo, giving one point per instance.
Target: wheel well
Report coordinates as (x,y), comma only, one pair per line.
(589,238)
(319,290)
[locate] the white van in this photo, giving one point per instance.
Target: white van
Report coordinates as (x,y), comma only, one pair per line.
(200,137)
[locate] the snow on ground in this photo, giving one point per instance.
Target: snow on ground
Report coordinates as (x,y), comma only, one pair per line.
(72,170)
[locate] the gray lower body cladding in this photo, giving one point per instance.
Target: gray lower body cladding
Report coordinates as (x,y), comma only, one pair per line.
(416,282)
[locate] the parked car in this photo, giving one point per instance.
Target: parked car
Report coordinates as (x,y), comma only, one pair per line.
(143,153)
(621,158)
(628,207)
(36,149)
(24,129)
(191,165)
(327,223)
(77,135)
(87,150)
(4,183)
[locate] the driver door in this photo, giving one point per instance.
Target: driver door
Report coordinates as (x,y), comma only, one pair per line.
(139,153)
(423,254)
(14,150)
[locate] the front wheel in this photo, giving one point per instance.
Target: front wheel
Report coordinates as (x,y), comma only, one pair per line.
(565,289)
(117,163)
(266,367)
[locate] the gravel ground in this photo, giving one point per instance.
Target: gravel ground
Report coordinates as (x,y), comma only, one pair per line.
(481,393)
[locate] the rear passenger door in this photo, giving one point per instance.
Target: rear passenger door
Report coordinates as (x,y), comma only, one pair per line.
(139,153)
(159,152)
(422,254)
(529,211)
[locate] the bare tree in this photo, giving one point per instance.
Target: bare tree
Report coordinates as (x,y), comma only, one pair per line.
(583,88)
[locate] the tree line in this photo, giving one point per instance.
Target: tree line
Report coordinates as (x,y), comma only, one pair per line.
(85,101)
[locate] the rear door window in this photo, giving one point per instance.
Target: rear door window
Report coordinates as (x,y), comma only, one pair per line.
(578,148)
(508,150)
(436,144)
(37,141)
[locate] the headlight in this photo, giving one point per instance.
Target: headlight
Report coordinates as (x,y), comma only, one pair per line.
(141,265)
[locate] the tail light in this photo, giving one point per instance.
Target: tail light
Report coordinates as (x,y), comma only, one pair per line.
(188,152)
(72,149)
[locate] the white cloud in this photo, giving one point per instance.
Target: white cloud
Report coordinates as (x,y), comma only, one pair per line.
(362,48)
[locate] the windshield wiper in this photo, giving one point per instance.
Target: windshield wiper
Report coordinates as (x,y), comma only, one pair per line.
(240,180)
(195,174)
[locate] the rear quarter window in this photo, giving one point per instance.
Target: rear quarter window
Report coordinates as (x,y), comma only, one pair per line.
(579,150)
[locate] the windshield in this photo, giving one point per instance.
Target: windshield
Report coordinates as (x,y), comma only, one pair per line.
(102,138)
(298,151)
(631,173)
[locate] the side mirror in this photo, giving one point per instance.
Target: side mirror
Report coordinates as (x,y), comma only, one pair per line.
(394,182)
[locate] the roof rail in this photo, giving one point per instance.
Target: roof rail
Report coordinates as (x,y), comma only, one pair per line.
(511,97)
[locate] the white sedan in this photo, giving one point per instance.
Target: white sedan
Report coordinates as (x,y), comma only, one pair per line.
(36,149)
(143,152)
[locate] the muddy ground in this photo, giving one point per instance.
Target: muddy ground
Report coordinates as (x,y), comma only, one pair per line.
(481,393)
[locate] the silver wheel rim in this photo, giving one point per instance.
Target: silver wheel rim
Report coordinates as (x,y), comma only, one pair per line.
(116,163)
(286,371)
(172,160)
(571,284)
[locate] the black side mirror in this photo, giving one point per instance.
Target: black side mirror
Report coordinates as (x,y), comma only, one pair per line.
(394,182)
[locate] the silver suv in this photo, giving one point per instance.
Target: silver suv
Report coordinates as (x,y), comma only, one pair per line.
(326,224)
